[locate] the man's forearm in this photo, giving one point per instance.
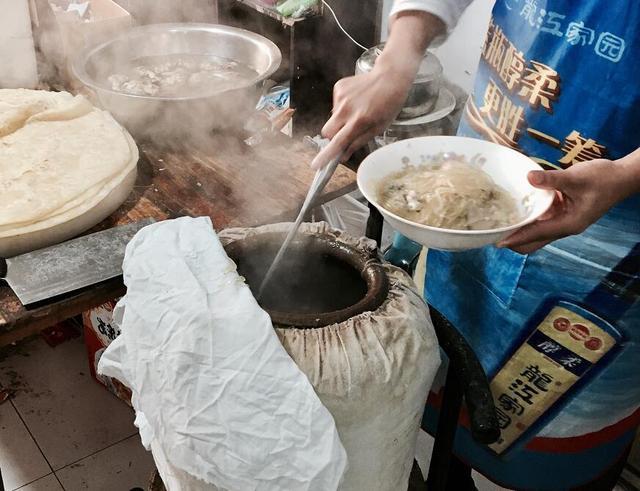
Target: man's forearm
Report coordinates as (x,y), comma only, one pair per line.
(410,34)
(414,30)
(630,174)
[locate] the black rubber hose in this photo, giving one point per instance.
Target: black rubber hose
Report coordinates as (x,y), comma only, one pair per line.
(473,380)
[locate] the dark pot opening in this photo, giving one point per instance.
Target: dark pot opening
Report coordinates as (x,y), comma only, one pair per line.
(319,282)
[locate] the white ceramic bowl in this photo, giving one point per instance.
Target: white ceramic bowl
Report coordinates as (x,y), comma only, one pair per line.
(507,168)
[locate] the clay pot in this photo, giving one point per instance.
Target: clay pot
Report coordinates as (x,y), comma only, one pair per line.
(338,281)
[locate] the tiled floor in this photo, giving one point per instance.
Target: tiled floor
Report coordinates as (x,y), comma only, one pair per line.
(423,451)
(61,430)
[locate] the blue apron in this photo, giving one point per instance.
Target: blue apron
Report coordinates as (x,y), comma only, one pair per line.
(557,331)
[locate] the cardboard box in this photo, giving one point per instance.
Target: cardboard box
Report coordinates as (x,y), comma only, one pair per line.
(62,35)
(99,332)
(155,12)
(17,53)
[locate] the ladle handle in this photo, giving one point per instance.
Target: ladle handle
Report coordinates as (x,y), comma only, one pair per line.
(326,173)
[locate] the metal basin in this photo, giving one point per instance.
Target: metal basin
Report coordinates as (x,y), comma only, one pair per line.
(206,109)
(321,281)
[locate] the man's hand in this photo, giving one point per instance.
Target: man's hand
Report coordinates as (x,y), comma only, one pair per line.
(584,193)
(365,105)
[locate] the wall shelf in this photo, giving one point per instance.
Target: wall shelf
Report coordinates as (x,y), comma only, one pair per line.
(274,14)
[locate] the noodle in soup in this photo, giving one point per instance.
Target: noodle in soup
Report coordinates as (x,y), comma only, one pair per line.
(448,193)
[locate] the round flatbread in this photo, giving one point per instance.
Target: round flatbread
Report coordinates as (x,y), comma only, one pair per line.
(59,158)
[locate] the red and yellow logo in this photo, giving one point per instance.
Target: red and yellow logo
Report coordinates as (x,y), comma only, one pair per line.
(579,332)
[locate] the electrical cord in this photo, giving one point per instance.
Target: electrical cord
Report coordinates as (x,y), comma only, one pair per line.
(364,48)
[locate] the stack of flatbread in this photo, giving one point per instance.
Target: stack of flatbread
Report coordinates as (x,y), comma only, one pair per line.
(64,166)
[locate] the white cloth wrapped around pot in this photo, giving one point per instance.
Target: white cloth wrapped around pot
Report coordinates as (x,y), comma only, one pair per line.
(373,372)
(217,398)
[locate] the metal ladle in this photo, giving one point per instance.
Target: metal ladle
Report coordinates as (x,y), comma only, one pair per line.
(320,180)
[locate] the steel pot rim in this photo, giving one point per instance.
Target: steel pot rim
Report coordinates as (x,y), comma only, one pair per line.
(79,64)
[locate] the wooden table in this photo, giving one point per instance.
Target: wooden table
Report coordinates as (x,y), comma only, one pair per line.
(234,184)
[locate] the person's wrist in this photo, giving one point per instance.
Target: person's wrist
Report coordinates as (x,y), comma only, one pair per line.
(397,66)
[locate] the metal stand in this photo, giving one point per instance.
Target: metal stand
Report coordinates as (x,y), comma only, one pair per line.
(445,434)
(374,225)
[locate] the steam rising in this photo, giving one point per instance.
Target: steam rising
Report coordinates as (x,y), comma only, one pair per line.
(165,124)
(206,128)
